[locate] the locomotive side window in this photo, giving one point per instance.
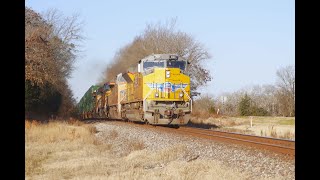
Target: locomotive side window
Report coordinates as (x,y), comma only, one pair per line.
(177,64)
(120,79)
(106,87)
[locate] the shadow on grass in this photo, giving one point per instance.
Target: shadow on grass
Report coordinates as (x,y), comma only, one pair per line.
(203,126)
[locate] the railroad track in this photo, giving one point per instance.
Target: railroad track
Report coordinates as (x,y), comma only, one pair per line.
(276,145)
(282,146)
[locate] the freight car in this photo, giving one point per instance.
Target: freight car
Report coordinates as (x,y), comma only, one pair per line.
(156,91)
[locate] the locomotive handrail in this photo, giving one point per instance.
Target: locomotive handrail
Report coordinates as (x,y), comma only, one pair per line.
(123,98)
(188,98)
(144,99)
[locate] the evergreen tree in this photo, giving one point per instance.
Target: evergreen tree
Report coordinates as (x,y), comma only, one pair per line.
(244,106)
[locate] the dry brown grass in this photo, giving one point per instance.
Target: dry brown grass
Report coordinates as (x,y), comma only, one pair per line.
(288,135)
(136,145)
(272,132)
(59,150)
(220,121)
(242,131)
(31,123)
(278,127)
(74,122)
(44,140)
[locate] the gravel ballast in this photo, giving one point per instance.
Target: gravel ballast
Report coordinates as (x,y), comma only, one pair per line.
(257,163)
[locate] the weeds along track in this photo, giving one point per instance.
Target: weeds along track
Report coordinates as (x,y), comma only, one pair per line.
(286,147)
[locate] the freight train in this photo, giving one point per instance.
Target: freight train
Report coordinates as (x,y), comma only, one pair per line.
(156,91)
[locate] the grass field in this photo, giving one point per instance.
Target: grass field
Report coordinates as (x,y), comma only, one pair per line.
(60,150)
(278,127)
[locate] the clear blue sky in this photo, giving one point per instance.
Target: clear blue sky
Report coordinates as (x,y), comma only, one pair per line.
(248,40)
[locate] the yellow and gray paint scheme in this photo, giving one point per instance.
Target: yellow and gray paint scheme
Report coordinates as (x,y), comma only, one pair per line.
(155,91)
(166,89)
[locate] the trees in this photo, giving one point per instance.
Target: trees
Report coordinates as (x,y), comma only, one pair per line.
(228,103)
(286,92)
(204,103)
(50,52)
(247,107)
(39,64)
(66,38)
(51,46)
(277,100)
(157,39)
(262,101)
(244,106)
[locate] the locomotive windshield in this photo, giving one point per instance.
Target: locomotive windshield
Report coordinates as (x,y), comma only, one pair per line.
(177,64)
(152,64)
(147,65)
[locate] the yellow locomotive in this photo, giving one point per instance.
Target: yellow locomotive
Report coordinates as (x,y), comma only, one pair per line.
(155,91)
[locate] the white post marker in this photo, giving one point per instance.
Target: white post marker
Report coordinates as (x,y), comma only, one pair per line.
(251,121)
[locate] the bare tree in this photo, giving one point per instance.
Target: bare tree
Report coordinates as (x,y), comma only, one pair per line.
(162,38)
(228,102)
(286,93)
(66,38)
(264,97)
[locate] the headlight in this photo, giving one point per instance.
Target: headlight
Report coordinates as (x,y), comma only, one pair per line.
(167,74)
(157,94)
(181,94)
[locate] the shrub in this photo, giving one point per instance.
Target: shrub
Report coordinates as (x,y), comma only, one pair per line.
(204,107)
(258,111)
(247,109)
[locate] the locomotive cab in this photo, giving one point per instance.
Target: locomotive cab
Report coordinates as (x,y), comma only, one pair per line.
(167,89)
(172,61)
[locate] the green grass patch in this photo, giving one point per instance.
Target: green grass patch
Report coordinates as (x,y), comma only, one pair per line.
(287,122)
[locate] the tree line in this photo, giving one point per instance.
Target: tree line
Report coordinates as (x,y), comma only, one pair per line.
(258,100)
(51,46)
